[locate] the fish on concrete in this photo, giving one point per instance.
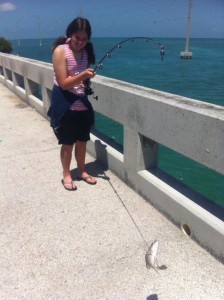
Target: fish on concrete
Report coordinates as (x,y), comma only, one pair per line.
(150,257)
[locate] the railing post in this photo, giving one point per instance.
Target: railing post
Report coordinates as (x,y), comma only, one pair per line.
(140,153)
(17,80)
(46,96)
(30,88)
(131,145)
(148,154)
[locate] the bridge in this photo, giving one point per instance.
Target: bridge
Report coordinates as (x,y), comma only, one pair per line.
(91,243)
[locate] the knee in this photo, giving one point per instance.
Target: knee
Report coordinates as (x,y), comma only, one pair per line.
(67,148)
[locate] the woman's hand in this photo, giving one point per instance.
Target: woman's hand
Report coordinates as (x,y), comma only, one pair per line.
(89,73)
(65,81)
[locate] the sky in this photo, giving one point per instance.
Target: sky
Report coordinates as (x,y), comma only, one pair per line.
(112,18)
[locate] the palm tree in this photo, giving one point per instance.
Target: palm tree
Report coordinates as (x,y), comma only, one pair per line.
(5,46)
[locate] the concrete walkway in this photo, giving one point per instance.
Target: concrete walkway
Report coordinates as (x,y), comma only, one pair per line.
(87,244)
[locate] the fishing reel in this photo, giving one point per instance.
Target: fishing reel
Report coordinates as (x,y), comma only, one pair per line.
(88,90)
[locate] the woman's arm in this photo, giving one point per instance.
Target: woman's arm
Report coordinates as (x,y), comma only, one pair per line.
(65,81)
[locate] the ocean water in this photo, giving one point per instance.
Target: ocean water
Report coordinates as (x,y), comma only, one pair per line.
(139,62)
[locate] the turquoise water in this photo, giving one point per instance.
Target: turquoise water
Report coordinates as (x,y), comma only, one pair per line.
(140,63)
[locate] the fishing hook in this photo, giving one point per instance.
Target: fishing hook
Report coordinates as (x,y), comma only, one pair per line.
(88,90)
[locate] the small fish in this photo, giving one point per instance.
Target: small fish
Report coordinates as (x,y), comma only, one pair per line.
(150,257)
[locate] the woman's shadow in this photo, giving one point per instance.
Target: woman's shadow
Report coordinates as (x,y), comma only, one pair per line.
(97,168)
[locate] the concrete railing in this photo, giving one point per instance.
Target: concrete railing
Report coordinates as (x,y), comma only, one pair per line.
(192,128)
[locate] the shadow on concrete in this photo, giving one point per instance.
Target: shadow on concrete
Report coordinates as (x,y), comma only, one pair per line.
(152,297)
(163,267)
(95,169)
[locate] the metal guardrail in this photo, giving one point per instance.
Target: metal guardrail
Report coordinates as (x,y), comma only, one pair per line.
(190,127)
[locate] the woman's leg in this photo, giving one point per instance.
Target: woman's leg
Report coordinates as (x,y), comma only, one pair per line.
(66,157)
(80,155)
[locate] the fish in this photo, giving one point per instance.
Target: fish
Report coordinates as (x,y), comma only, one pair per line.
(150,257)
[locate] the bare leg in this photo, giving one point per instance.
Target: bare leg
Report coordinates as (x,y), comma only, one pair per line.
(80,155)
(66,156)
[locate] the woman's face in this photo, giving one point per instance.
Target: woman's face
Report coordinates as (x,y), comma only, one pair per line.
(79,40)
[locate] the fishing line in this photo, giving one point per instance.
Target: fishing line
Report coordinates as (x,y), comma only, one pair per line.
(122,202)
(88,89)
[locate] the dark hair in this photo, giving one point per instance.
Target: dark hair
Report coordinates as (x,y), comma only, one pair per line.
(78,24)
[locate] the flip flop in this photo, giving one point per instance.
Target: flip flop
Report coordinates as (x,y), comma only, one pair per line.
(69,182)
(86,179)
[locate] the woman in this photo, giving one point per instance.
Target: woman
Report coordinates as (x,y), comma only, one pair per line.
(71,112)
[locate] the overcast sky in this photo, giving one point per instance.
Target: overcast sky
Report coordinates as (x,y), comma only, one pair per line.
(112,18)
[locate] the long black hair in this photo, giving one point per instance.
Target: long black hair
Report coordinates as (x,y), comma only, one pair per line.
(78,24)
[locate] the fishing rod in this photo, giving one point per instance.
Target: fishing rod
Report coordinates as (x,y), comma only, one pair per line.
(88,90)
